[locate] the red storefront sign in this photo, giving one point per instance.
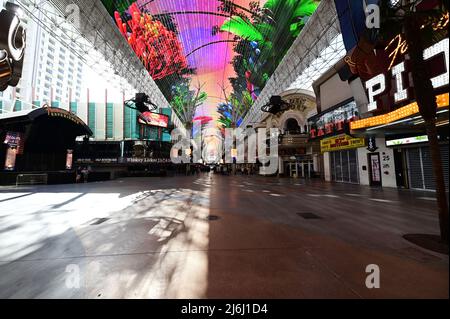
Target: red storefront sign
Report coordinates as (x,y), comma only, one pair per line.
(333,122)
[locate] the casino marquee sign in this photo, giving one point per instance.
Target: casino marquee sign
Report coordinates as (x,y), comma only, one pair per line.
(55,112)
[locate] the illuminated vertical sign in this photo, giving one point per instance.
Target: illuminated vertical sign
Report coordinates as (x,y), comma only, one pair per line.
(10,163)
(69,159)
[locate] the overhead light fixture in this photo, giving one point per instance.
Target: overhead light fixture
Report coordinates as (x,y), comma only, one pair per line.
(276,104)
(12,46)
(142,103)
(5,70)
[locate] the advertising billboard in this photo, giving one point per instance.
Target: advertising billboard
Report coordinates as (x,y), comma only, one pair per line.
(69,159)
(154,119)
(342,142)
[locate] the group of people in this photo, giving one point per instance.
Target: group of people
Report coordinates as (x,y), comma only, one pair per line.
(228,170)
(82,174)
(196,169)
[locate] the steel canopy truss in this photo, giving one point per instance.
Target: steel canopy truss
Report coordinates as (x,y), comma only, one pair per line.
(96,40)
(300,66)
(328,58)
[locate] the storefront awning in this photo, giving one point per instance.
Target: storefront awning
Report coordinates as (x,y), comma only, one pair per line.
(399,116)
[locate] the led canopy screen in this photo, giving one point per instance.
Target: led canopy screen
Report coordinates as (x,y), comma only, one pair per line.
(211,55)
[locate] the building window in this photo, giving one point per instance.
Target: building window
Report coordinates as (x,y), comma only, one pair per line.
(109,120)
(91,117)
(130,124)
(73,106)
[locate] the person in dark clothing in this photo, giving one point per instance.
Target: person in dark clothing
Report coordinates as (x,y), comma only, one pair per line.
(78,175)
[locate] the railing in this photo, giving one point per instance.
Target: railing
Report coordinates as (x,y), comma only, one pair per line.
(31,179)
(294,139)
(294,133)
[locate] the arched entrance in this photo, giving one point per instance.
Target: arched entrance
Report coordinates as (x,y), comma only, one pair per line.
(292,126)
(46,135)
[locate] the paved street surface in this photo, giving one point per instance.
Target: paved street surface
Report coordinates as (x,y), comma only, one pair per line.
(152,238)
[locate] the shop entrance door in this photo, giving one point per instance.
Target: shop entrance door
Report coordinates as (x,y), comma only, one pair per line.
(344,166)
(400,169)
(293,168)
(375,169)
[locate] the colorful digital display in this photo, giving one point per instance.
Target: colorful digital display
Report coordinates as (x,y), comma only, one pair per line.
(13,138)
(69,159)
(10,162)
(16,140)
(204,54)
(154,119)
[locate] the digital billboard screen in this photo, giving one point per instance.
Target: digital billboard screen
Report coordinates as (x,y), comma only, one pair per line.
(203,53)
(154,119)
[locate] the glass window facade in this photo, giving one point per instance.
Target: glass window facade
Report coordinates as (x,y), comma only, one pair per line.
(92,117)
(130,124)
(109,120)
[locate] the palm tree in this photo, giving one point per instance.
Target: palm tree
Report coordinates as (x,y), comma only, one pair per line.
(185,102)
(233,110)
(277,14)
(265,36)
(419,28)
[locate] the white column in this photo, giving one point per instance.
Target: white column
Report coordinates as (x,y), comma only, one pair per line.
(326,166)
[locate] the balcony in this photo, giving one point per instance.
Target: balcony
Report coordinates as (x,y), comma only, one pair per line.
(293,139)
